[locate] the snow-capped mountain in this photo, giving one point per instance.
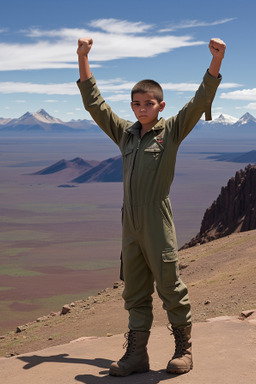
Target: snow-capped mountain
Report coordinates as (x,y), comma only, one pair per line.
(226,126)
(41,121)
(224,119)
(43,116)
(247,118)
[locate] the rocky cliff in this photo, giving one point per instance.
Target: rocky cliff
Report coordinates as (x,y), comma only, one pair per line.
(233,211)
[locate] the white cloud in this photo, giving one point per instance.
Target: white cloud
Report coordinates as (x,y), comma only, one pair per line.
(192,87)
(120,26)
(40,55)
(57,48)
(115,85)
(251,106)
(244,94)
(41,89)
(229,85)
(120,97)
(119,88)
(180,87)
(196,23)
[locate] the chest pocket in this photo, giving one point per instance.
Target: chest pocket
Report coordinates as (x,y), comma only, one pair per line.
(153,155)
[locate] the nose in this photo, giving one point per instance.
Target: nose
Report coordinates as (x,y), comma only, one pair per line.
(142,109)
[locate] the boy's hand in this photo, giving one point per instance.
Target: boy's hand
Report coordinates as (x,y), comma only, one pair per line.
(217,48)
(84,46)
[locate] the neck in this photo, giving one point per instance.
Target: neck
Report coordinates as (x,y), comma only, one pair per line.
(147,127)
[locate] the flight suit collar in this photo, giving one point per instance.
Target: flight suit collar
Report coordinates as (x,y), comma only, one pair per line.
(136,127)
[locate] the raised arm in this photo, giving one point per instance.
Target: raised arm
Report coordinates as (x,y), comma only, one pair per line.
(201,103)
(84,47)
(93,102)
(217,48)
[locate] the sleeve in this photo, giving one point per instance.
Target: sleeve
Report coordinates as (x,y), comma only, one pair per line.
(100,111)
(201,103)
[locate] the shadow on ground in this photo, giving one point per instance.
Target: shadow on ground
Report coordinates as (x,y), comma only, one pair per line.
(152,377)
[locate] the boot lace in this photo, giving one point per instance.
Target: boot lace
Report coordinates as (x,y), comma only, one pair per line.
(180,341)
(129,344)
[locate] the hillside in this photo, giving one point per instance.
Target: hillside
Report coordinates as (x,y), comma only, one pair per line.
(220,283)
(110,170)
(81,171)
(77,164)
(233,211)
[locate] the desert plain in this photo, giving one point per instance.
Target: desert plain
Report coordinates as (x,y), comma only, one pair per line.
(62,244)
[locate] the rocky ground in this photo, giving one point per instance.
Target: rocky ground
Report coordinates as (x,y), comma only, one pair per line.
(220,275)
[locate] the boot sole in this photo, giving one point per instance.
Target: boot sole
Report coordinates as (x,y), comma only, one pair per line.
(117,372)
(179,371)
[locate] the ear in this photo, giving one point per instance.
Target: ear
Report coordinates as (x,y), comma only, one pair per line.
(161,106)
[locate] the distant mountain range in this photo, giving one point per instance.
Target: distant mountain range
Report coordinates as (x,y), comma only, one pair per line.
(237,157)
(228,127)
(41,122)
(110,170)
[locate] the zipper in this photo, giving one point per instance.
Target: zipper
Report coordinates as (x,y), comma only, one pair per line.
(133,165)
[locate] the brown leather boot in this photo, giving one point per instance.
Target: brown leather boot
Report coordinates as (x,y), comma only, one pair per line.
(181,361)
(135,358)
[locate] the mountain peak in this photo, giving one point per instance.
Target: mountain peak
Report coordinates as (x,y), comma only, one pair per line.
(43,112)
(246,118)
(26,115)
(44,117)
(225,119)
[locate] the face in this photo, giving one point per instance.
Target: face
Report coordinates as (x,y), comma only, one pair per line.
(146,108)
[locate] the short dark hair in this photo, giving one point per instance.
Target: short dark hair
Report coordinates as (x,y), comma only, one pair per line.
(148,85)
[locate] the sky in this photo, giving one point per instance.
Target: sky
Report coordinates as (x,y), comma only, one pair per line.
(133,40)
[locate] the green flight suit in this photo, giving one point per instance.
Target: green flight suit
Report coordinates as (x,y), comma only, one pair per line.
(149,245)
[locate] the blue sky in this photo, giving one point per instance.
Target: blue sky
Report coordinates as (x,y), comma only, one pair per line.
(163,40)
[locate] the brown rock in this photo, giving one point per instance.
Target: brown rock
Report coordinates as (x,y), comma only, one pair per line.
(41,319)
(246,314)
(65,309)
(21,328)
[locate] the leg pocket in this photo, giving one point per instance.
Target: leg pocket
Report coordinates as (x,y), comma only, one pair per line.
(170,272)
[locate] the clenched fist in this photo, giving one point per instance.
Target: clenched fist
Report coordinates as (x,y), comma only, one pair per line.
(84,46)
(217,48)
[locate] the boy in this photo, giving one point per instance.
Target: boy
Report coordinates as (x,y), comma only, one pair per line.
(149,246)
